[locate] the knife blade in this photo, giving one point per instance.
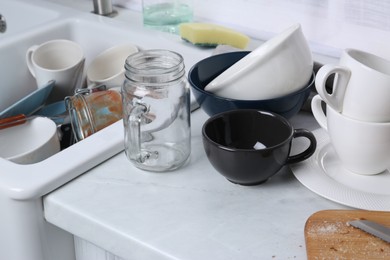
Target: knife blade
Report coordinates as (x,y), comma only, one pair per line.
(372,228)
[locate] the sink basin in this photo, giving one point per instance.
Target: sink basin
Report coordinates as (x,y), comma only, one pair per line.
(95,34)
(92,36)
(22,16)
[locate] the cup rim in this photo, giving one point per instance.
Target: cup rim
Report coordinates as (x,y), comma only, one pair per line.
(340,115)
(100,58)
(227,148)
(75,44)
(351,53)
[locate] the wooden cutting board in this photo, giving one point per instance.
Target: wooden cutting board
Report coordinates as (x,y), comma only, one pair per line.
(328,236)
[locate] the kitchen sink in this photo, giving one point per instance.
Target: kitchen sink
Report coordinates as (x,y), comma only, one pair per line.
(93,37)
(95,34)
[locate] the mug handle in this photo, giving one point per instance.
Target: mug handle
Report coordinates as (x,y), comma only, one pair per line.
(133,140)
(342,76)
(29,54)
(318,111)
(306,153)
(134,133)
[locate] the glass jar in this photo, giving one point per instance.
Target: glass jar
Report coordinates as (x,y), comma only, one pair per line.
(156,110)
(91,111)
(167,15)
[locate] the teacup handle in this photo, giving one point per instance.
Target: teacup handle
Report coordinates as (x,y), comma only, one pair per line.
(318,111)
(29,54)
(342,76)
(309,150)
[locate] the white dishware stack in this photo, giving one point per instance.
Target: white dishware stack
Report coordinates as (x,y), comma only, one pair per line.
(357,116)
(278,67)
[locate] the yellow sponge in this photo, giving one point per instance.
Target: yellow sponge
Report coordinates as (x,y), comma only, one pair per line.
(205,34)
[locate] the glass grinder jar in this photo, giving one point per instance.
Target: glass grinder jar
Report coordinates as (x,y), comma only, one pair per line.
(156,110)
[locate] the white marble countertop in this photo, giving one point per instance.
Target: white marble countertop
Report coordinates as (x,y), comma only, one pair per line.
(190,213)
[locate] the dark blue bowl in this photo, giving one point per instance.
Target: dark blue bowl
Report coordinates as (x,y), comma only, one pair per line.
(207,69)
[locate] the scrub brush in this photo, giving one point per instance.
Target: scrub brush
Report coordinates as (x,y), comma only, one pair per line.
(211,35)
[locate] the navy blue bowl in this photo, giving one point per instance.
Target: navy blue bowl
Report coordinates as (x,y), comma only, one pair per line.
(203,72)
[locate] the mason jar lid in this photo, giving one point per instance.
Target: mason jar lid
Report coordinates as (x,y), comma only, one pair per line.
(153,67)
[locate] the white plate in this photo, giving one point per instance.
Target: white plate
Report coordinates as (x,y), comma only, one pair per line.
(30,103)
(324,174)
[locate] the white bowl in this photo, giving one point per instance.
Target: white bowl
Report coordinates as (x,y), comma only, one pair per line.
(278,67)
(31,142)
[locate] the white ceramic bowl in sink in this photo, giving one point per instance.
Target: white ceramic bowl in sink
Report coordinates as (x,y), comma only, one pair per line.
(31,142)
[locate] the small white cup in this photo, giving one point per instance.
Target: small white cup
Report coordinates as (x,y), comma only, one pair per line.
(278,67)
(361,88)
(59,60)
(108,68)
(363,147)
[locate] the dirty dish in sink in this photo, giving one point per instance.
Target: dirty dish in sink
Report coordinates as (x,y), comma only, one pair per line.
(207,69)
(108,67)
(30,142)
(30,103)
(55,111)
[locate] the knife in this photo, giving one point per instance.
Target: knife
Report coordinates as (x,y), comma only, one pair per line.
(372,228)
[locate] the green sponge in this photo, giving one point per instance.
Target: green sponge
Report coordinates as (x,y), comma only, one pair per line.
(211,35)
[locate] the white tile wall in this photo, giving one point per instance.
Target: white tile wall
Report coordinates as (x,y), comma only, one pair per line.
(329,25)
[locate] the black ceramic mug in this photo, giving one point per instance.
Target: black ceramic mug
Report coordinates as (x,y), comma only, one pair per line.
(249,146)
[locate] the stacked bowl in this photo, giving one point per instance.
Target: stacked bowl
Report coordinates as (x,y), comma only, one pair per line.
(277,77)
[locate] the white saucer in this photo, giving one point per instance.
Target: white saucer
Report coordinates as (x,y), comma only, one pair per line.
(324,174)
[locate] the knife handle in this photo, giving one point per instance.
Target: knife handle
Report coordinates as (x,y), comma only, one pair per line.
(12,121)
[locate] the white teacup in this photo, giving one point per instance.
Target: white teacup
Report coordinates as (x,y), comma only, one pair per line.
(361,88)
(59,60)
(108,68)
(363,147)
(278,67)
